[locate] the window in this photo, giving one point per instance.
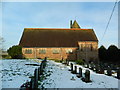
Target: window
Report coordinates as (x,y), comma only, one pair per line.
(69,51)
(42,51)
(28,51)
(81,47)
(91,48)
(56,51)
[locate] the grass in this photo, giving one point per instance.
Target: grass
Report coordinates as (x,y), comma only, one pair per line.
(56,60)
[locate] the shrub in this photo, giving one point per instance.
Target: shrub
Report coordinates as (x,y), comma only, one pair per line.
(15,52)
(80,62)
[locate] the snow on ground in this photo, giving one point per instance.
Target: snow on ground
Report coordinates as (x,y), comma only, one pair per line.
(15,72)
(59,76)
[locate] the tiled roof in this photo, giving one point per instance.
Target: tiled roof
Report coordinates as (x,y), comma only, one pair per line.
(53,37)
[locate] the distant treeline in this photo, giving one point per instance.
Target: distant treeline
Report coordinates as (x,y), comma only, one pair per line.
(112,54)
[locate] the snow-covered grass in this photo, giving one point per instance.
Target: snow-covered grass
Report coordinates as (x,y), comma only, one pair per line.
(60,77)
(14,72)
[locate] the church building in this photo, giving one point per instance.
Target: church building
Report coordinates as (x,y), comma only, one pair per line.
(60,43)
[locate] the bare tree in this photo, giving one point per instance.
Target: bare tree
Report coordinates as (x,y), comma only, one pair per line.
(1,43)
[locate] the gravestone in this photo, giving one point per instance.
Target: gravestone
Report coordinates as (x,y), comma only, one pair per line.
(67,62)
(84,64)
(87,65)
(109,72)
(41,68)
(87,76)
(118,73)
(112,66)
(75,70)
(71,67)
(32,84)
(92,65)
(39,73)
(72,78)
(45,58)
(101,71)
(97,68)
(36,79)
(80,73)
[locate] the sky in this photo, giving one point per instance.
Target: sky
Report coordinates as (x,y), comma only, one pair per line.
(92,15)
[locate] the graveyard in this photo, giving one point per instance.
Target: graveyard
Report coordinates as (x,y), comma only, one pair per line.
(51,74)
(71,75)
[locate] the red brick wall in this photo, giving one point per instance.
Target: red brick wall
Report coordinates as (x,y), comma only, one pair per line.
(49,53)
(86,52)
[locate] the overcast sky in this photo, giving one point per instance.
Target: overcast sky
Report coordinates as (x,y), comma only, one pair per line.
(19,15)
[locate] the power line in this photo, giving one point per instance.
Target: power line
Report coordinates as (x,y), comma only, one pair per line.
(109,21)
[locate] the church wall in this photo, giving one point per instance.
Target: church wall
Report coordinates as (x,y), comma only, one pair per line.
(88,51)
(63,53)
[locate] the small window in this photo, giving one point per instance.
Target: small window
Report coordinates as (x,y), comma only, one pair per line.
(28,51)
(56,51)
(69,51)
(42,51)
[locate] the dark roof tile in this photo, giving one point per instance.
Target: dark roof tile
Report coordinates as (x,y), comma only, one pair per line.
(45,37)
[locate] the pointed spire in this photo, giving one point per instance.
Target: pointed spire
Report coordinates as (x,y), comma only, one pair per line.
(75,24)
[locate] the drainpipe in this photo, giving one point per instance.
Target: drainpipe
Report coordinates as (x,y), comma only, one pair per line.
(86,51)
(61,52)
(35,53)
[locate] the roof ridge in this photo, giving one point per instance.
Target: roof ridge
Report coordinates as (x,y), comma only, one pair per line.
(57,29)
